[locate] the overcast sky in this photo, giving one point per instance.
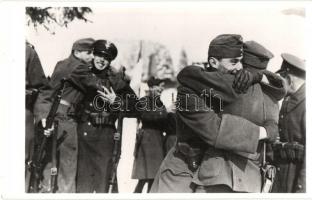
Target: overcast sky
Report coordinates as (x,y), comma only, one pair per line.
(183,25)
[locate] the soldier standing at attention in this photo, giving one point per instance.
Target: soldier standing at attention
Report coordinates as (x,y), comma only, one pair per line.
(81,55)
(289,153)
(36,83)
(149,151)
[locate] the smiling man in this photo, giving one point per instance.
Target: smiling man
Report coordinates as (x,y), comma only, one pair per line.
(96,121)
(213,150)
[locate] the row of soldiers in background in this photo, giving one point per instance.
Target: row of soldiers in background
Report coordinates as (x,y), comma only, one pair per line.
(225,148)
(225,136)
(85,115)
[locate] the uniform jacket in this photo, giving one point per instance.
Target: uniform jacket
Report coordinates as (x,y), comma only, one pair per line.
(232,156)
(292,128)
(88,80)
(96,140)
(62,70)
(35,77)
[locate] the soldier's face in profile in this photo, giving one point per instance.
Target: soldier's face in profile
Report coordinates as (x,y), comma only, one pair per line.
(230,64)
(85,56)
(100,62)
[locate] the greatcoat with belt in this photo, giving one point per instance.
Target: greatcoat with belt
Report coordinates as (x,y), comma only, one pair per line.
(150,150)
(96,125)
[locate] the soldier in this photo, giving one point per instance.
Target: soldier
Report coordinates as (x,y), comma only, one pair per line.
(67,130)
(289,153)
(81,52)
(97,115)
(230,150)
(36,83)
(149,151)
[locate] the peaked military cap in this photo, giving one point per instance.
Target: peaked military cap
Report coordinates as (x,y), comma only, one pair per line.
(105,49)
(292,64)
(85,44)
(226,46)
(256,55)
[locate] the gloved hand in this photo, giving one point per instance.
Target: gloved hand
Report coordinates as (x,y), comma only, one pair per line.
(274,79)
(245,78)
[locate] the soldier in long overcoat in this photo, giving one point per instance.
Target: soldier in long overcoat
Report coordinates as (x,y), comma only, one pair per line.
(67,130)
(290,157)
(97,113)
(149,151)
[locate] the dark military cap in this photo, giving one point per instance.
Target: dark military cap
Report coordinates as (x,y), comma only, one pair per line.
(292,64)
(105,49)
(85,44)
(226,46)
(154,81)
(256,55)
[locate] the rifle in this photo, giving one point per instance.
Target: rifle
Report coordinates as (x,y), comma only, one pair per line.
(53,183)
(35,165)
(268,173)
(112,184)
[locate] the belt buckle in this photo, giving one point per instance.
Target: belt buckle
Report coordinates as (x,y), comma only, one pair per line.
(53,171)
(64,102)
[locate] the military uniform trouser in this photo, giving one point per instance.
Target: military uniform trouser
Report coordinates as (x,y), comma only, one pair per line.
(94,157)
(173,176)
(67,158)
(29,142)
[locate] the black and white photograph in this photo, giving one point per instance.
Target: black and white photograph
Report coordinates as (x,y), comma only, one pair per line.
(155,99)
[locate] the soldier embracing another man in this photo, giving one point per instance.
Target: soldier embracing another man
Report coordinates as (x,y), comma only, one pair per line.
(227,119)
(86,131)
(230,134)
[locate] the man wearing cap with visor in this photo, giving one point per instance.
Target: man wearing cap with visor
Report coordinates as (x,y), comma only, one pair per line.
(203,135)
(103,88)
(289,153)
(81,55)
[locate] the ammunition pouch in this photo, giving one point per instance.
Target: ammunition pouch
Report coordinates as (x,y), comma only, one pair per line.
(154,115)
(31,96)
(101,119)
(191,155)
(290,152)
